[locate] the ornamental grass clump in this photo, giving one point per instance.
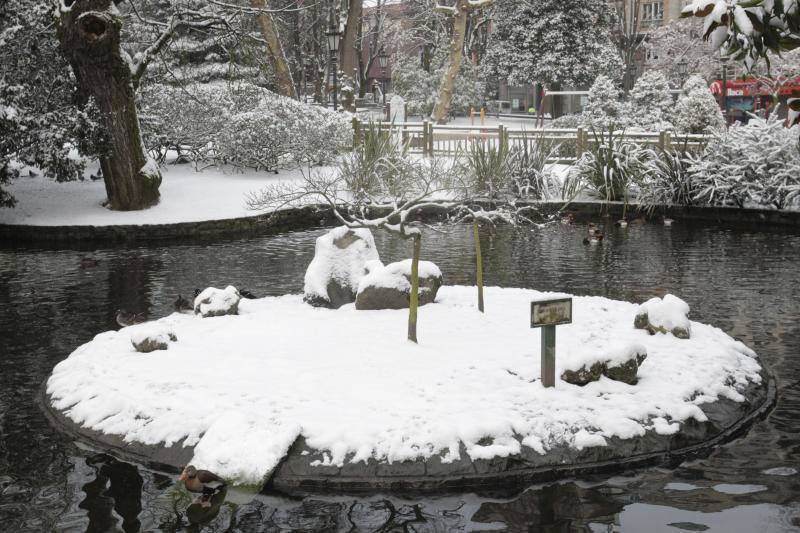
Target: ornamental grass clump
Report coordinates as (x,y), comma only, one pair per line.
(608,170)
(666,179)
(530,176)
(487,168)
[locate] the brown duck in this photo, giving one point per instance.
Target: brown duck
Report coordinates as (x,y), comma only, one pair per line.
(202,481)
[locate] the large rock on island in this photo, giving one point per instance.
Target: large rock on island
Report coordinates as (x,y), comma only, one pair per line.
(389,287)
(620,364)
(667,315)
(339,263)
(217,302)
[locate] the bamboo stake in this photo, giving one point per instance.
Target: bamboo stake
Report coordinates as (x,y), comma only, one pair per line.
(413,302)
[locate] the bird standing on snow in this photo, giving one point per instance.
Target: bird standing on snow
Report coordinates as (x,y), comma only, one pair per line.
(182,304)
(202,481)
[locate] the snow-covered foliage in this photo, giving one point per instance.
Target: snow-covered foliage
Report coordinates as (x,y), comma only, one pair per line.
(40,125)
(651,104)
(666,179)
(243,391)
(757,163)
(680,43)
(697,110)
(566,42)
(243,125)
(608,169)
(750,30)
(604,105)
(419,86)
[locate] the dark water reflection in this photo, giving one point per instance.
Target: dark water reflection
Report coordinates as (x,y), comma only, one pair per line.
(744,281)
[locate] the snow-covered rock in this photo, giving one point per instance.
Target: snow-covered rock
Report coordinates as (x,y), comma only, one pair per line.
(389,287)
(619,364)
(217,302)
(339,263)
(146,339)
(667,315)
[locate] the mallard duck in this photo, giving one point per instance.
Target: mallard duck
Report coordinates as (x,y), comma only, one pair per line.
(89,262)
(244,293)
(125,319)
(622,223)
(182,304)
(668,221)
(202,481)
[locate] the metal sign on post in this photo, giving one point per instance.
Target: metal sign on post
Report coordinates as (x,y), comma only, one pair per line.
(547,314)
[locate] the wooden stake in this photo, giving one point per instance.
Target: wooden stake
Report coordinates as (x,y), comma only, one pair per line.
(413,301)
(478,264)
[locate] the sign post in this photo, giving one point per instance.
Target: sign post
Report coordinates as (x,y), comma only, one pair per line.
(547,314)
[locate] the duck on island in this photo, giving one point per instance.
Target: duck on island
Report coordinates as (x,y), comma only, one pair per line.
(125,319)
(206,483)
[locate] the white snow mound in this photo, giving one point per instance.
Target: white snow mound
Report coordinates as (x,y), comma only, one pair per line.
(393,275)
(669,313)
(242,388)
(345,265)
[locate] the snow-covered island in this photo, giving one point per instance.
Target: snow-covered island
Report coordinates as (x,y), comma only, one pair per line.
(318,397)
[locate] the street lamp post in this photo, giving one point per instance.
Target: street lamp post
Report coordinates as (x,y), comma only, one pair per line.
(383,60)
(683,70)
(724,61)
(334,35)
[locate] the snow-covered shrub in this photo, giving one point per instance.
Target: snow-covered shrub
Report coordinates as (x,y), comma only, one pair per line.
(651,103)
(243,125)
(697,110)
(604,105)
(487,168)
(530,176)
(420,88)
(569,148)
(666,179)
(758,163)
(608,169)
(377,168)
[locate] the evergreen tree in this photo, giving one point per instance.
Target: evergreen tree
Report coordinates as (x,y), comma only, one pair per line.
(604,107)
(651,102)
(566,42)
(697,110)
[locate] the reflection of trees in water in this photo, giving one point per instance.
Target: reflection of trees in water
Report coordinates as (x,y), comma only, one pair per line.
(130,284)
(116,489)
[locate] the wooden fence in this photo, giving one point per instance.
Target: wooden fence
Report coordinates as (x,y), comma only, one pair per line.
(428,139)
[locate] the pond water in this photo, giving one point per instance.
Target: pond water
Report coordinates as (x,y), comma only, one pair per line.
(745,281)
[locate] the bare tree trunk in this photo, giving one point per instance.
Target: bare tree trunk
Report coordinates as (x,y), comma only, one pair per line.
(283,76)
(460,12)
(348,56)
(446,86)
(89,34)
(413,300)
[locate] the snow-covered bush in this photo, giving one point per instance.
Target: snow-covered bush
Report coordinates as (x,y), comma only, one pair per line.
(666,179)
(604,104)
(755,163)
(419,87)
(243,125)
(697,110)
(651,103)
(608,169)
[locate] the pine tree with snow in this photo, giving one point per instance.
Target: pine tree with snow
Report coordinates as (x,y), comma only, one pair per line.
(651,103)
(604,106)
(697,110)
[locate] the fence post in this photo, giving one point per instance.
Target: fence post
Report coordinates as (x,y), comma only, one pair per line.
(430,139)
(501,134)
(580,144)
(356,132)
(424,138)
(667,140)
(662,140)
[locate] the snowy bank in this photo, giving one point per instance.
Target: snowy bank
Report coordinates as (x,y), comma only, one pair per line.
(242,389)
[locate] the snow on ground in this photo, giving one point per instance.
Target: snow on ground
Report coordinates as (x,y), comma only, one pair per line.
(242,388)
(186,196)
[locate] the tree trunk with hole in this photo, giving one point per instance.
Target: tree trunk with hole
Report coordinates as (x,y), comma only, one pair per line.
(89,34)
(413,301)
(283,76)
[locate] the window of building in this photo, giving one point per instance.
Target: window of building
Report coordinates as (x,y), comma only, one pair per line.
(652,11)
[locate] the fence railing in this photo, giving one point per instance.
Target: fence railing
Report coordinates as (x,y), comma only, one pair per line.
(429,139)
